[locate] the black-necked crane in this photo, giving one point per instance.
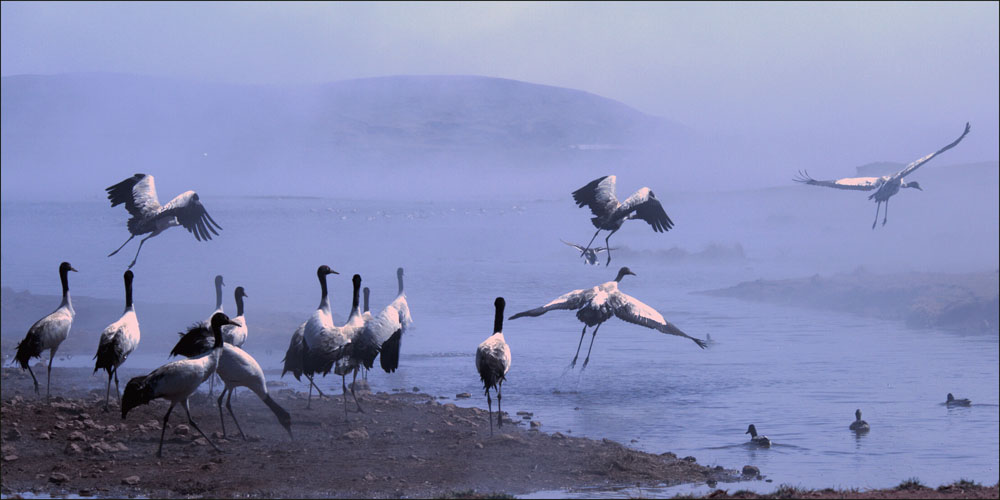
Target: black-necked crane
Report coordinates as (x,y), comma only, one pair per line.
(493,362)
(198,338)
(349,361)
(293,362)
(609,214)
(237,335)
(886,186)
(138,193)
(117,341)
(596,305)
(177,380)
(589,254)
(383,333)
(859,425)
(49,332)
(755,440)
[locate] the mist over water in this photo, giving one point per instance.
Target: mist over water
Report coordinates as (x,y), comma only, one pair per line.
(798,374)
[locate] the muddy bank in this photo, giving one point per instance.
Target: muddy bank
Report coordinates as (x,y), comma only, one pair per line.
(968,302)
(908,489)
(404,444)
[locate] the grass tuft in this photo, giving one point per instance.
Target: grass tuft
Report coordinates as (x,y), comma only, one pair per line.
(911,484)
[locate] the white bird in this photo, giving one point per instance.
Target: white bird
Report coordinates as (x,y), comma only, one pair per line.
(117,341)
(48,332)
(885,186)
(349,362)
(609,214)
(598,304)
(237,368)
(138,193)
(382,335)
(176,381)
(589,254)
(237,335)
(755,440)
(859,425)
(493,362)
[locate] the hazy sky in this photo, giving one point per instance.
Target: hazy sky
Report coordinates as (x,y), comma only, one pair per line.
(764,71)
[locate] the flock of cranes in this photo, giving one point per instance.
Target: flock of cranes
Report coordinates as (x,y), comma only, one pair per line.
(213,346)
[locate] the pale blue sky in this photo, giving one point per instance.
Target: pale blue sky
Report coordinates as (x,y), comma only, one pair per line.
(762,71)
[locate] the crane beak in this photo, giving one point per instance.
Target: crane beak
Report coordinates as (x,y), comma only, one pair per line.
(231,322)
(73,269)
(333,272)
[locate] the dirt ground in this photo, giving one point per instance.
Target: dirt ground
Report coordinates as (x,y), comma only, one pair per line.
(403,445)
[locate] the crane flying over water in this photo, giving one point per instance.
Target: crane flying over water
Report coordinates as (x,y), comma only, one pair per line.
(609,214)
(138,193)
(885,186)
(596,305)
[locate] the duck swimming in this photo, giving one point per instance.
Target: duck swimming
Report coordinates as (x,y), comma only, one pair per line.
(957,402)
(755,440)
(859,425)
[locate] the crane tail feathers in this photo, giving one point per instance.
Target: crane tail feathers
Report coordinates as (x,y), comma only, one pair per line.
(30,347)
(389,357)
(107,357)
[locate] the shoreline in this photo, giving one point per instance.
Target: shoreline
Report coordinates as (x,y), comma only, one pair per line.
(404,444)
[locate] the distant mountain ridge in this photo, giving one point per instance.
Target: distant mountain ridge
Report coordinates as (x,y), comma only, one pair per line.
(279,137)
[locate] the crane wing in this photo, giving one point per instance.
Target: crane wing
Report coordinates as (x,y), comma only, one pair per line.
(574,245)
(572,300)
(852,183)
(915,165)
(648,208)
(138,193)
(192,215)
(599,195)
(633,310)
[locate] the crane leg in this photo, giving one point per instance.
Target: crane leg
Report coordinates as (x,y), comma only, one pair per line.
(140,249)
(211,385)
(34,379)
(221,418)
(593,335)
(159,451)
(117,389)
(572,364)
(123,245)
(191,421)
(588,244)
(310,400)
(489,405)
(885,215)
(353,382)
(318,391)
(229,407)
(343,383)
(499,409)
(107,394)
(48,379)
(607,246)
(878,205)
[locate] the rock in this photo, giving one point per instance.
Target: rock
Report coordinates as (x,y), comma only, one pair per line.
(357,434)
(200,442)
(558,435)
(182,430)
(45,436)
(209,466)
(689,458)
(416,389)
(369,476)
(77,436)
(526,413)
(535,424)
(463,395)
(72,449)
(711,483)
(10,458)
(131,480)
(668,455)
(449,406)
(479,445)
(12,435)
(750,471)
(60,425)
(58,478)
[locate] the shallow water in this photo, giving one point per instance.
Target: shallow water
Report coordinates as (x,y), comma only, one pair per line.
(797,374)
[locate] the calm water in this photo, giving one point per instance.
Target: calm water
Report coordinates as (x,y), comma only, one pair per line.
(797,374)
